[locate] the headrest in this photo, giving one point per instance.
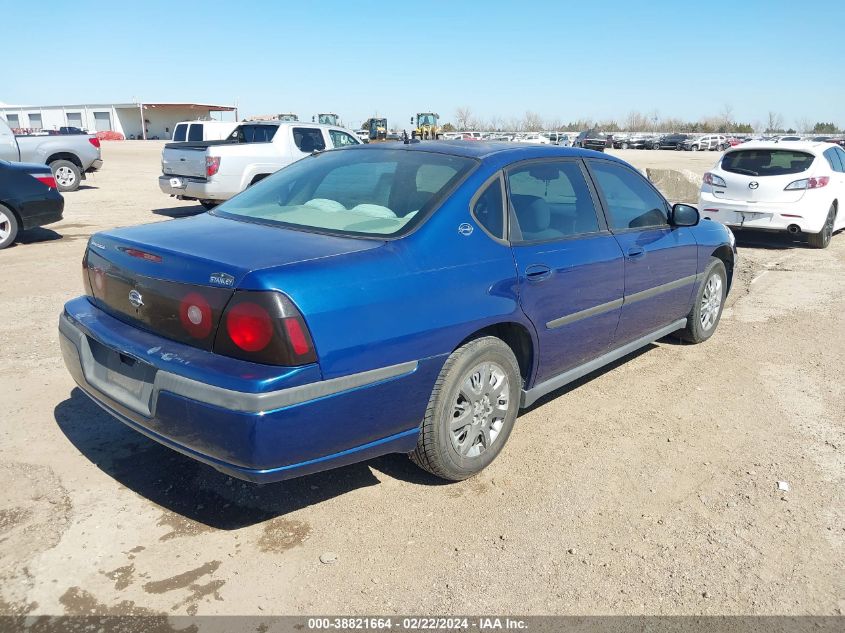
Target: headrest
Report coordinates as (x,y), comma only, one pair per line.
(535,216)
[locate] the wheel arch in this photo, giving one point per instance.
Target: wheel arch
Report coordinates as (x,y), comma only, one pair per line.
(516,336)
(64,156)
(6,205)
(726,254)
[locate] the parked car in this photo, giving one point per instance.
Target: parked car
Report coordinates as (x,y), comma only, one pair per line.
(363,135)
(533,137)
(710,142)
(635,141)
(339,309)
(214,171)
(673,141)
(787,139)
(70,156)
(592,139)
(796,187)
(653,142)
(28,198)
(203,130)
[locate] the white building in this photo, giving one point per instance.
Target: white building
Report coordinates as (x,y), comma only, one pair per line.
(125,118)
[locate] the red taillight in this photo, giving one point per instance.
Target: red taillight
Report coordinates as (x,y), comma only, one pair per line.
(94,141)
(195,315)
(212,165)
(150,257)
(45,179)
(249,326)
(264,327)
(296,336)
(816,183)
(713,180)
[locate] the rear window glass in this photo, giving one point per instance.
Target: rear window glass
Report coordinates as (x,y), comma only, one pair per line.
(767,162)
(254,133)
(195,132)
(357,192)
(179,132)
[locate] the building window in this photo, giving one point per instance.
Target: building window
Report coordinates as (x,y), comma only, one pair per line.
(13,121)
(35,121)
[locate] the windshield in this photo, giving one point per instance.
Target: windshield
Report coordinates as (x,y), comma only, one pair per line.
(427,119)
(767,162)
(357,192)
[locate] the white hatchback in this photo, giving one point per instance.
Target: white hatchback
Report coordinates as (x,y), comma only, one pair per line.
(798,187)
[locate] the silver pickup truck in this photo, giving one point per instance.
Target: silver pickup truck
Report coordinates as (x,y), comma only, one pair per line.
(70,156)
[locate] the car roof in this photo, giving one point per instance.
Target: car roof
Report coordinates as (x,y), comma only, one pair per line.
(483,149)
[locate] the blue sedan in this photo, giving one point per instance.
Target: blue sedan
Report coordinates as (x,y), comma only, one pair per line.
(387,298)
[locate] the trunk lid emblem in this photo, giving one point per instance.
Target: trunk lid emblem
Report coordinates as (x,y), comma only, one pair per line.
(135,298)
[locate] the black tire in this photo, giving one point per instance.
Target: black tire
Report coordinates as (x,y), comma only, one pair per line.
(699,329)
(68,175)
(8,227)
(208,205)
(624,146)
(822,238)
(435,450)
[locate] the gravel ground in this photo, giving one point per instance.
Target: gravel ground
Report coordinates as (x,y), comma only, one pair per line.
(647,488)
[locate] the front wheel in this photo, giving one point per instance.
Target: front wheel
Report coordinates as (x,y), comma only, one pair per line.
(8,227)
(624,146)
(471,411)
(67,175)
(709,301)
(822,238)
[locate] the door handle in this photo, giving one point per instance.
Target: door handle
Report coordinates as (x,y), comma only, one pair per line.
(635,251)
(537,272)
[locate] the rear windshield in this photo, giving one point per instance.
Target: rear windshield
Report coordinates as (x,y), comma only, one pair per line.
(349,191)
(254,133)
(179,132)
(767,162)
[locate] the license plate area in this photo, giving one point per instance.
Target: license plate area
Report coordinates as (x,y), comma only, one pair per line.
(178,183)
(126,380)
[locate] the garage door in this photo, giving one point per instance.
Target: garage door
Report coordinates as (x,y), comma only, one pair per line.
(74,119)
(35,121)
(102,121)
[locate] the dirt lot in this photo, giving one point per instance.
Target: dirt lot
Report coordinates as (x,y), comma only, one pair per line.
(648,488)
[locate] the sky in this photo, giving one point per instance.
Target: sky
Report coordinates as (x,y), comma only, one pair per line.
(565,60)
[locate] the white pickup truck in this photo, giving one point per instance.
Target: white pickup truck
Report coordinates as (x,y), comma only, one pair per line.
(214,171)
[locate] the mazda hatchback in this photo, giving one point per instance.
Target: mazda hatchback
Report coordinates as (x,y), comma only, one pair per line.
(404,298)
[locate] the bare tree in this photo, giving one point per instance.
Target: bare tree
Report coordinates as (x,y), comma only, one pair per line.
(804,125)
(532,122)
(727,117)
(775,123)
(463,116)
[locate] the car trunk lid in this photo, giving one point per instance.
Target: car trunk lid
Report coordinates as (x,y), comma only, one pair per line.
(175,278)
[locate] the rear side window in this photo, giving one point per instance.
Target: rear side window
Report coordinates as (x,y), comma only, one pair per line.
(550,200)
(254,133)
(179,134)
(833,159)
(841,153)
(308,139)
(767,162)
(631,201)
(489,209)
(195,132)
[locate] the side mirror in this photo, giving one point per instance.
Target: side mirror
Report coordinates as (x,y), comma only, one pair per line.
(684,215)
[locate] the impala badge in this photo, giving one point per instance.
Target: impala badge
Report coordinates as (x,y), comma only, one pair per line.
(135,298)
(222,279)
(465,229)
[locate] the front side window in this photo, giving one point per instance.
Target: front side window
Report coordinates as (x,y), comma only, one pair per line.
(489,209)
(631,201)
(358,192)
(180,133)
(195,132)
(342,139)
(550,200)
(309,139)
(767,162)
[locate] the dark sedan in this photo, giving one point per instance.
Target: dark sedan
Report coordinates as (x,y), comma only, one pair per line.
(28,198)
(592,139)
(674,141)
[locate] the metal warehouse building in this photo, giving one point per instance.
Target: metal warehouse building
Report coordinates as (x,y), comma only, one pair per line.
(133,120)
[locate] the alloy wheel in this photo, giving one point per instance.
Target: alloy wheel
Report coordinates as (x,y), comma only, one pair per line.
(65,176)
(479,410)
(5,226)
(711,301)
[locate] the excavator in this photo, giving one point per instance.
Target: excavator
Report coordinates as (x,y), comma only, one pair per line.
(426,126)
(377,127)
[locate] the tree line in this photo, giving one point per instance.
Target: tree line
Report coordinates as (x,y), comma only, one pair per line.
(635,121)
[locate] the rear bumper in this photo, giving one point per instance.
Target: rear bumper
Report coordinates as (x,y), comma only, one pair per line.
(765,216)
(238,417)
(194,188)
(94,166)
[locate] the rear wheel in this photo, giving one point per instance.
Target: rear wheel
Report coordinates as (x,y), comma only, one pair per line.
(822,238)
(709,301)
(471,411)
(8,227)
(624,146)
(67,175)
